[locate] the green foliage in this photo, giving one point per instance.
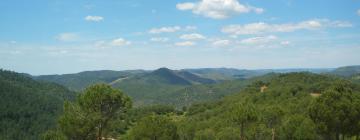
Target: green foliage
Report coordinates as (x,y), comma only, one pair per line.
(154,127)
(298,127)
(28,108)
(279,112)
(53,135)
(337,111)
(89,117)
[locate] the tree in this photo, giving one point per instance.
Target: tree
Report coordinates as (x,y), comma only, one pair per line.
(154,127)
(243,114)
(337,111)
(228,133)
(298,127)
(272,117)
(89,116)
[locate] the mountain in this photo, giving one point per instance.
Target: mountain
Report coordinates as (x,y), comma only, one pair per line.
(79,81)
(151,87)
(28,107)
(210,92)
(165,76)
(177,87)
(346,71)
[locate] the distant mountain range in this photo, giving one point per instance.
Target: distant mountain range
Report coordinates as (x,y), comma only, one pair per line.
(163,84)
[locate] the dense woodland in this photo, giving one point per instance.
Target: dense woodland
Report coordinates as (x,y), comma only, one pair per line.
(299,105)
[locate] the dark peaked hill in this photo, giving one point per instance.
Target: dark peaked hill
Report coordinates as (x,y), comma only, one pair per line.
(166,76)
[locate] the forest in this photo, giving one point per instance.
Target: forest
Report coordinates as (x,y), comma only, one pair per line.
(296,105)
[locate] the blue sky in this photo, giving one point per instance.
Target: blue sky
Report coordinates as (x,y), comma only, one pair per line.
(66,36)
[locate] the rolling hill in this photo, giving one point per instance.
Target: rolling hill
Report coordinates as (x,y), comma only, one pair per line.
(287,97)
(346,71)
(148,88)
(177,87)
(79,81)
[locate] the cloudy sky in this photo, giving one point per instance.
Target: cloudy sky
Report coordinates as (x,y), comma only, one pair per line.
(66,36)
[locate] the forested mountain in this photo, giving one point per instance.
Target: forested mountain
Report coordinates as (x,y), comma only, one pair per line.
(346,71)
(157,85)
(28,107)
(79,81)
(176,87)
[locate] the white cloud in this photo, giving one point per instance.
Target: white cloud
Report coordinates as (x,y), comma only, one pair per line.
(193,36)
(218,9)
(67,37)
(165,30)
(190,28)
(259,40)
(186,43)
(261,27)
(159,39)
(223,42)
(358,12)
(120,42)
(285,43)
(185,6)
(94,18)
(171,29)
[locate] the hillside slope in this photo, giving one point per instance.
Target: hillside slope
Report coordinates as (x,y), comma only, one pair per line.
(150,87)
(346,71)
(28,107)
(281,109)
(79,81)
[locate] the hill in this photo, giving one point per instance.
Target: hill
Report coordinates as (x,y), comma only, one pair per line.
(280,111)
(151,87)
(79,81)
(28,107)
(210,92)
(346,71)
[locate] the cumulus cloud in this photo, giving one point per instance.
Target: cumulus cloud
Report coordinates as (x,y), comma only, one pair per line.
(165,30)
(218,9)
(193,36)
(261,27)
(159,39)
(185,43)
(67,37)
(223,42)
(94,18)
(259,40)
(120,42)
